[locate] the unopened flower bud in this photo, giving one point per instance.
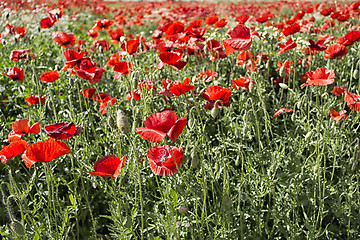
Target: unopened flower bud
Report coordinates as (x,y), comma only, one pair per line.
(356,74)
(283,85)
(122,122)
(214,112)
(17,227)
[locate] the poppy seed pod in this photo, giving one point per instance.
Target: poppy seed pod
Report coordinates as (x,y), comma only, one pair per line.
(122,122)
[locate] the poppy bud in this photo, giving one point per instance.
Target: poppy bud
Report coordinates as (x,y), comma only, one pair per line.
(182,210)
(214,112)
(122,122)
(17,227)
(356,74)
(194,161)
(283,85)
(267,64)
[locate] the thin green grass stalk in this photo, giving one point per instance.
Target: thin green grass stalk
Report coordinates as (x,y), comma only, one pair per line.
(51,198)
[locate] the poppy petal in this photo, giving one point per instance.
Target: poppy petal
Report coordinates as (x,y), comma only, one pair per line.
(177,129)
(44,151)
(152,135)
(161,121)
(12,150)
(108,166)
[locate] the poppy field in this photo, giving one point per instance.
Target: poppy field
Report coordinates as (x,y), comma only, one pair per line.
(179,120)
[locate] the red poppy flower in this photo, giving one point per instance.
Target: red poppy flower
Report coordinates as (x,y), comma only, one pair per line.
(211,20)
(116,35)
(283,110)
(242,82)
(93,32)
(12,150)
(221,23)
(18,32)
(103,24)
(44,151)
(161,124)
(338,91)
(49,76)
(172,59)
(134,94)
(176,27)
(217,51)
(242,19)
(181,88)
(22,127)
(35,99)
(88,92)
(108,166)
(15,73)
(131,46)
(286,65)
(243,56)
(24,54)
(73,58)
(335,51)
(320,77)
(104,104)
(62,130)
(165,160)
(87,70)
(352,37)
(290,44)
(338,115)
(47,22)
(122,68)
(318,46)
(208,75)
(216,94)
(241,39)
(294,28)
(64,39)
(352,100)
(105,45)
(166,91)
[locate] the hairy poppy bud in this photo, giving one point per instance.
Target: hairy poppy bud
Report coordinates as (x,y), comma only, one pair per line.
(214,112)
(122,122)
(17,227)
(194,160)
(356,74)
(283,85)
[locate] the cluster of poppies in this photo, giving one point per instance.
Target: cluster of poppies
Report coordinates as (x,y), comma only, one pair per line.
(41,151)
